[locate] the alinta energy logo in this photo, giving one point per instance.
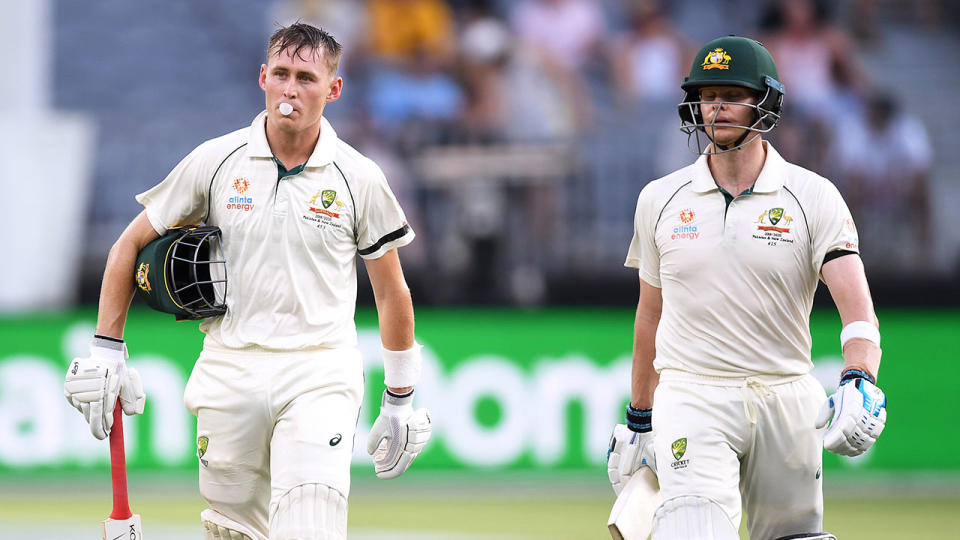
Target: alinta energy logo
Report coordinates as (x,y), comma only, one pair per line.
(240,201)
(686,230)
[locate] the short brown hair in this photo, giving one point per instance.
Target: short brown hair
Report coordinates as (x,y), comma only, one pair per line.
(300,37)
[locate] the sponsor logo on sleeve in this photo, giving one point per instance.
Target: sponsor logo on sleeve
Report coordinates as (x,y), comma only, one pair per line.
(851,240)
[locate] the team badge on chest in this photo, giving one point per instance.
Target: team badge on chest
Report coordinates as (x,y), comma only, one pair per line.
(774,226)
(325,209)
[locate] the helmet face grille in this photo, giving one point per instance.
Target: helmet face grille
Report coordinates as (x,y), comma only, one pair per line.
(766,116)
(198,273)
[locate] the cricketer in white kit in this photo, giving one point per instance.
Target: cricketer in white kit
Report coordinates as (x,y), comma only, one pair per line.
(730,251)
(278,385)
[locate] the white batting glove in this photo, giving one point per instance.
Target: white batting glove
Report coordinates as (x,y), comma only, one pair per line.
(631,447)
(93,384)
(858,412)
(398,435)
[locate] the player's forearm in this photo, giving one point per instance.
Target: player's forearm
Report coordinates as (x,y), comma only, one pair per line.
(395,313)
(116,291)
(863,355)
(644,379)
(847,282)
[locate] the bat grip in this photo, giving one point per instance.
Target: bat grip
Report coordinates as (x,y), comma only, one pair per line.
(118,467)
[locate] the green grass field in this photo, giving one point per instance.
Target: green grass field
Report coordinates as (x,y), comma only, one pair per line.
(454,506)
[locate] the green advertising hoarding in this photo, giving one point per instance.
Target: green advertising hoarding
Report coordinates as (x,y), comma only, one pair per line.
(506,388)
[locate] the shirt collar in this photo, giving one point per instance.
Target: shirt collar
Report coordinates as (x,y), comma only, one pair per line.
(771,175)
(323,152)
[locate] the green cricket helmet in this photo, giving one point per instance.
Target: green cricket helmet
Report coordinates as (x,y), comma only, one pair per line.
(184,273)
(732,61)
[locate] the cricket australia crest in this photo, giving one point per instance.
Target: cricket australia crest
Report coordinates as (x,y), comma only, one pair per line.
(773,226)
(202,443)
(679,448)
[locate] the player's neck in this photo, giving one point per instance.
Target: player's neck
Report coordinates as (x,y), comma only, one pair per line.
(738,170)
(292,148)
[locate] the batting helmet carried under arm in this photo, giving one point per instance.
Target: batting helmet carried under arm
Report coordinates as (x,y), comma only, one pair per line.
(184,273)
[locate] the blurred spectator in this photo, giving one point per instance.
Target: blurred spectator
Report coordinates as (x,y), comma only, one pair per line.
(563,36)
(818,64)
(406,31)
(885,160)
(412,94)
(651,60)
(484,54)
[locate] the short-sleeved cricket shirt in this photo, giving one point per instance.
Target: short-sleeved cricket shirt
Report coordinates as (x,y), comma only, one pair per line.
(290,238)
(737,274)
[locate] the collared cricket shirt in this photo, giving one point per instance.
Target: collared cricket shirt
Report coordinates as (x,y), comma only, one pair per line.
(290,238)
(737,274)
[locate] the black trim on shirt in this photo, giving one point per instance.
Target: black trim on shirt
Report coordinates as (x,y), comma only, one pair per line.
(352,200)
(668,202)
(805,222)
(836,254)
(212,178)
(399,233)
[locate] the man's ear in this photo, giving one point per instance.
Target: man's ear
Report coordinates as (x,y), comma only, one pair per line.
(335,89)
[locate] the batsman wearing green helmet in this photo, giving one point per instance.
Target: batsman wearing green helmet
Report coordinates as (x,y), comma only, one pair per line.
(730,251)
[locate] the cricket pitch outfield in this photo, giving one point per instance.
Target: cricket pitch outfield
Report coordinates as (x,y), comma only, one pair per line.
(448,506)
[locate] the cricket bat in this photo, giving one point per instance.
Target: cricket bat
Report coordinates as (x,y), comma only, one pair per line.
(632,514)
(122,524)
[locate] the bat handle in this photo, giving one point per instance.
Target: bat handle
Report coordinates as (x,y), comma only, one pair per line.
(118,467)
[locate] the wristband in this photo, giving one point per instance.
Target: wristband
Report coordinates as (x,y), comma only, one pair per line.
(852,374)
(859,329)
(639,420)
(396,404)
(402,368)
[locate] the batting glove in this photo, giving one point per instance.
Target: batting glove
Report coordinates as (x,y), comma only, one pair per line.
(631,447)
(858,411)
(93,384)
(398,435)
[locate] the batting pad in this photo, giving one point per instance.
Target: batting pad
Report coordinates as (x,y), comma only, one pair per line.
(632,515)
(691,516)
(217,526)
(314,511)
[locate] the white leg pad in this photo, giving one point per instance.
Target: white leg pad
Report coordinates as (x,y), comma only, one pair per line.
(309,512)
(691,516)
(217,526)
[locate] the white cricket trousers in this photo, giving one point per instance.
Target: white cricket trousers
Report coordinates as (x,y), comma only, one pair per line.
(747,442)
(269,421)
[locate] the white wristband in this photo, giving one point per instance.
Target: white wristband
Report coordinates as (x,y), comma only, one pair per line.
(402,368)
(859,329)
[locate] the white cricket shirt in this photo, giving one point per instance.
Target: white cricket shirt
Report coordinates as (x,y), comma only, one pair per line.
(737,281)
(290,243)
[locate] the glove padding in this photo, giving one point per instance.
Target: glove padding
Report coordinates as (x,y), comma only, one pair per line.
(398,435)
(94,383)
(629,450)
(859,413)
